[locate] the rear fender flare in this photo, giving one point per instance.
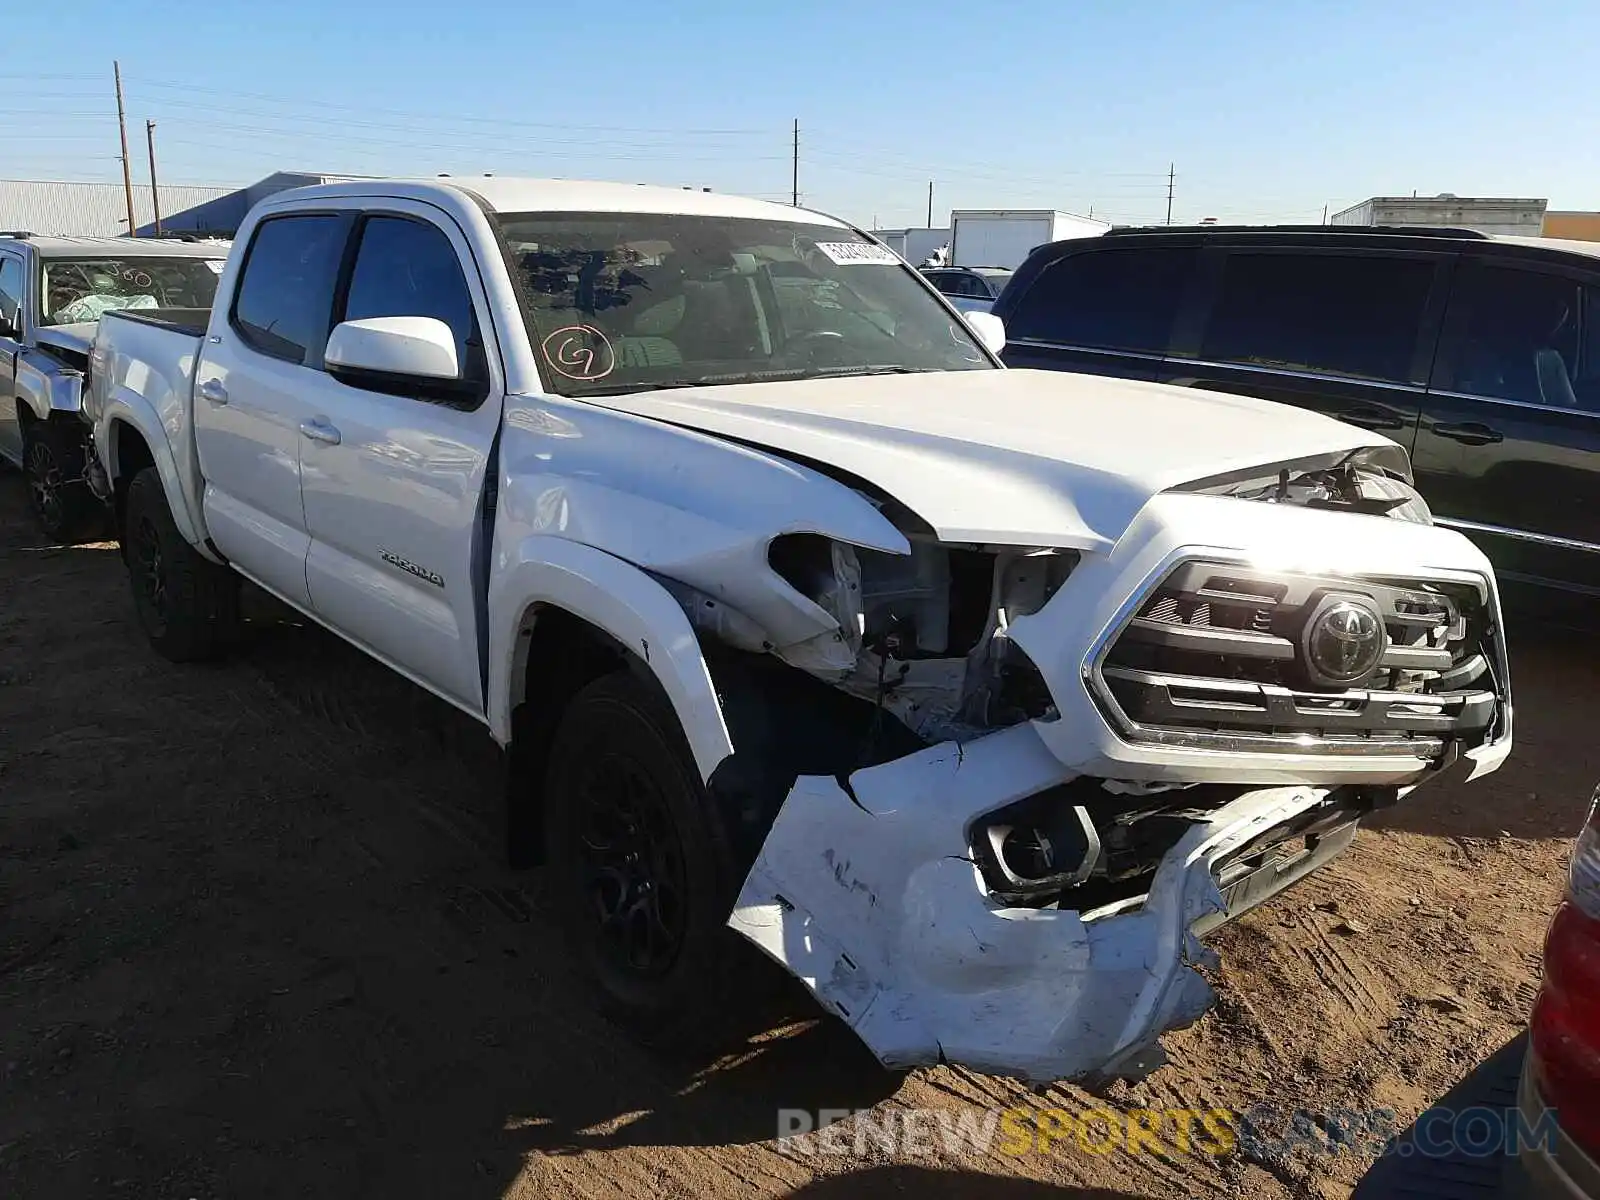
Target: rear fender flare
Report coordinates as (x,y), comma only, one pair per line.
(622,601)
(127,407)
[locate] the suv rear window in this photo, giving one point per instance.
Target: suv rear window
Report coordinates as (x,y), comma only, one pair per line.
(1105,299)
(1336,314)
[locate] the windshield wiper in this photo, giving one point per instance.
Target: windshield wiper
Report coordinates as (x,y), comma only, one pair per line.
(622,389)
(774,376)
(881,369)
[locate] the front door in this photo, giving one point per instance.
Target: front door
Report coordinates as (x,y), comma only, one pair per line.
(394,479)
(1509,446)
(11,321)
(254,383)
(1104,308)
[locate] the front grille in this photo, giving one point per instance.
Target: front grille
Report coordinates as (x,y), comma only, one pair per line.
(1216,657)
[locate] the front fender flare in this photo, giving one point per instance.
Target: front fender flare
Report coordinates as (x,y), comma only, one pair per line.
(43,389)
(619,598)
(125,406)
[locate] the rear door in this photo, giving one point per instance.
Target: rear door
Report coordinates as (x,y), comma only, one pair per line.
(253,387)
(394,476)
(1105,308)
(1509,446)
(12,317)
(1349,333)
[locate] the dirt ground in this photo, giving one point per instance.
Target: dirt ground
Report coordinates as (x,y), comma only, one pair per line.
(256,939)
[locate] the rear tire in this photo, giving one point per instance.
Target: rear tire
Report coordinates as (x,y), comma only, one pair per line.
(53,460)
(640,866)
(188,606)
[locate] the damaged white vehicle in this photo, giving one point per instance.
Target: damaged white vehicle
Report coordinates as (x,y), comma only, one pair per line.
(52,290)
(974,697)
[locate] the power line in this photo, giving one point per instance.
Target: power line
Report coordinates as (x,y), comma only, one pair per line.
(412,115)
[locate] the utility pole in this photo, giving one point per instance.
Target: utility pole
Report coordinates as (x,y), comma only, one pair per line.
(1324,214)
(1172,175)
(794,194)
(155,192)
(930,204)
(122,128)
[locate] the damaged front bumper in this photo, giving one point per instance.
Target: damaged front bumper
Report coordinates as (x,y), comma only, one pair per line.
(868,892)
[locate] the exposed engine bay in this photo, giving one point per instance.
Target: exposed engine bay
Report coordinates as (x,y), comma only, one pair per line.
(1375,480)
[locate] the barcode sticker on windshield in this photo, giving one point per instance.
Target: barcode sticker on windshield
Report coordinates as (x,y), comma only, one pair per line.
(216,265)
(851,253)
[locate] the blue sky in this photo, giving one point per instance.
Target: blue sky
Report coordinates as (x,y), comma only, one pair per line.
(1269,110)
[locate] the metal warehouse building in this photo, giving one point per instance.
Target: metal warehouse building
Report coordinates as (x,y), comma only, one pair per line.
(101,209)
(1486,214)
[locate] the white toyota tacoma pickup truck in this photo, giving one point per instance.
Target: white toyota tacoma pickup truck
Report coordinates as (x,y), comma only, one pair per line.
(972,696)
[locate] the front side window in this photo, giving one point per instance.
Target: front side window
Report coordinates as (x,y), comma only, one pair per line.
(407,268)
(1516,336)
(1337,314)
(618,302)
(82,289)
(10,291)
(1106,299)
(285,294)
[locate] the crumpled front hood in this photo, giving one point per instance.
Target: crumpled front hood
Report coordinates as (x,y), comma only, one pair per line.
(1012,457)
(77,339)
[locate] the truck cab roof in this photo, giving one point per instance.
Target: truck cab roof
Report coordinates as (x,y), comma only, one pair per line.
(503,194)
(59,246)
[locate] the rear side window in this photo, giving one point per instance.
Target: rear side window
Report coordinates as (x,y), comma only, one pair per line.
(1336,314)
(1106,299)
(970,286)
(285,294)
(10,290)
(407,268)
(1515,335)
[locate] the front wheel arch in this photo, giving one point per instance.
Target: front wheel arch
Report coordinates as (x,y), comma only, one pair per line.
(558,655)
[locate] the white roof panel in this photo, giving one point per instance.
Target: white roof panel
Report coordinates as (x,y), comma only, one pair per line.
(508,195)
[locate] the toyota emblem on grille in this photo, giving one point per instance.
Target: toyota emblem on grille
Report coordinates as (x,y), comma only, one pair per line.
(1343,641)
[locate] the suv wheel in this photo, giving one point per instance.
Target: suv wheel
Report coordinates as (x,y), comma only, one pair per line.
(53,461)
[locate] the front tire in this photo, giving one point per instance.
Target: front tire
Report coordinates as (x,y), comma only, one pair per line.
(188,606)
(640,865)
(53,460)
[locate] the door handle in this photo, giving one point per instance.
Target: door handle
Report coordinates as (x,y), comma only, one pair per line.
(319,430)
(213,392)
(1470,433)
(1371,418)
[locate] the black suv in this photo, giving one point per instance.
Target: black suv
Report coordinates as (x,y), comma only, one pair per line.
(1479,354)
